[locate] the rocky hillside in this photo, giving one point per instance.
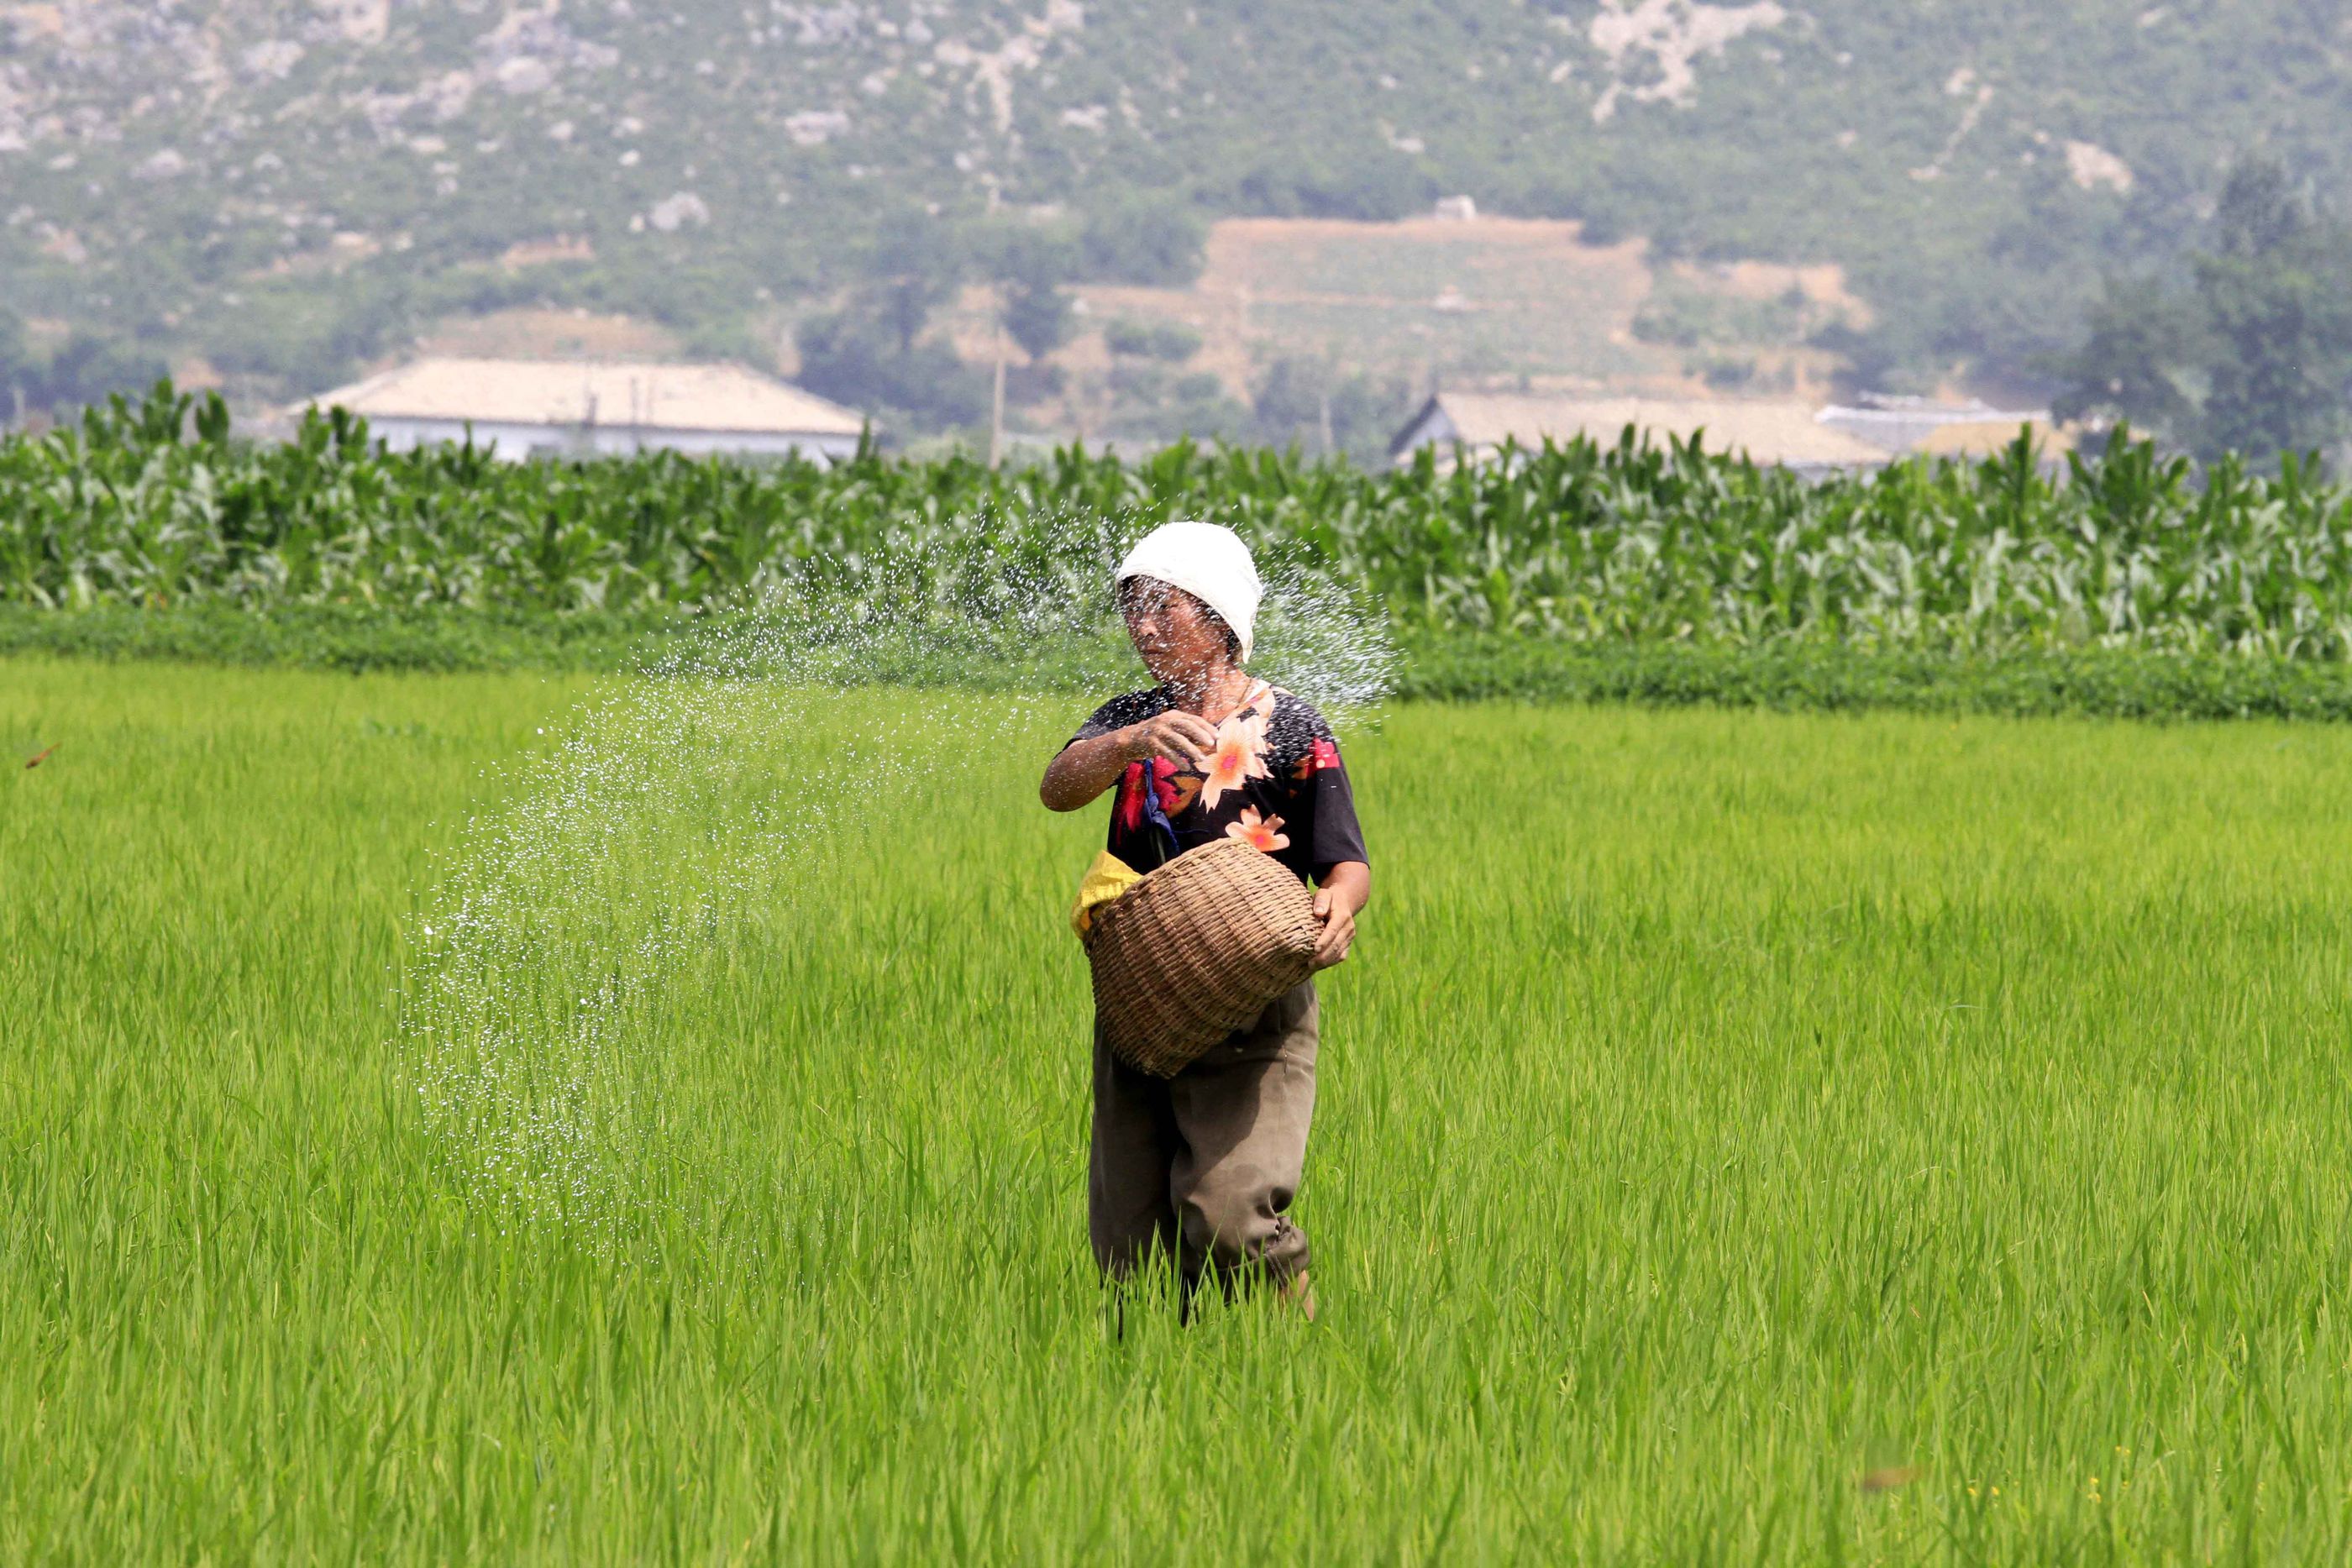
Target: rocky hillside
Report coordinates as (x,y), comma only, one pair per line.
(281,186)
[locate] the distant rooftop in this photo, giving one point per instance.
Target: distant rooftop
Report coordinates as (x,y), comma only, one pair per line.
(1898,424)
(575,393)
(1768,432)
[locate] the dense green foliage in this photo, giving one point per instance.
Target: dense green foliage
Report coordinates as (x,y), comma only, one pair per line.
(1975,165)
(2253,354)
(1718,1109)
(1628,544)
(876,353)
(2118,683)
(81,371)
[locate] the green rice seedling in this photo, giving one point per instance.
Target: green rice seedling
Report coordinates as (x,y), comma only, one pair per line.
(1746,1137)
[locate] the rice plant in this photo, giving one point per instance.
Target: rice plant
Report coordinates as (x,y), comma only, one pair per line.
(1743,1137)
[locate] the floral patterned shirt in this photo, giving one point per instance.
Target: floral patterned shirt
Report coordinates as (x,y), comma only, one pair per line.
(1275,778)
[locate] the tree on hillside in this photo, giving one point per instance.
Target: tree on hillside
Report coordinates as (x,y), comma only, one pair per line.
(1151,238)
(80,371)
(1039,319)
(2278,296)
(16,367)
(1172,341)
(916,265)
(1307,404)
(856,357)
(1030,267)
(2253,354)
(872,353)
(1373,186)
(1028,263)
(2138,361)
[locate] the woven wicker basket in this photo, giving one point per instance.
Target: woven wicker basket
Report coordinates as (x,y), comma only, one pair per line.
(1195,950)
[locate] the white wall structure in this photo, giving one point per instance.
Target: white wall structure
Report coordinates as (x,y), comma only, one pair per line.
(1783,433)
(519,409)
(1919,423)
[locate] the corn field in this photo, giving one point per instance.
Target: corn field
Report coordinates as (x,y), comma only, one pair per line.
(158,503)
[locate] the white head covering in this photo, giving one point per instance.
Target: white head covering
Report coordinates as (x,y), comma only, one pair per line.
(1207,560)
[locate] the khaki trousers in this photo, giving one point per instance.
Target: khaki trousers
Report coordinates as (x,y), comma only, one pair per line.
(1204,1166)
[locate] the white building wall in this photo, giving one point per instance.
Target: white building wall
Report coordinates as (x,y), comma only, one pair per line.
(517,442)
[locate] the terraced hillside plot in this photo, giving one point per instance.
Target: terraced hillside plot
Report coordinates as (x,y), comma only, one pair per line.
(1516,296)
(1487,301)
(1742,1137)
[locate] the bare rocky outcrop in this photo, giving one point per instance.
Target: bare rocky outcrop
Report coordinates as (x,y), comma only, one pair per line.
(1664,38)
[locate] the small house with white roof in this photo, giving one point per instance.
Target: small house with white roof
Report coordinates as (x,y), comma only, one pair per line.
(520,409)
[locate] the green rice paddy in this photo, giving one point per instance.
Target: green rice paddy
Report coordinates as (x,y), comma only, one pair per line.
(1745,1138)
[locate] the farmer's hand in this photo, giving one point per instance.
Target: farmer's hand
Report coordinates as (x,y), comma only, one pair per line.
(1183,738)
(1338,923)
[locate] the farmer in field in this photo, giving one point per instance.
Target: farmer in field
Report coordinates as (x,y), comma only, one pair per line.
(1204,1166)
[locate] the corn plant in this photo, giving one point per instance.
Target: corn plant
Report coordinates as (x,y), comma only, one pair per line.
(157,503)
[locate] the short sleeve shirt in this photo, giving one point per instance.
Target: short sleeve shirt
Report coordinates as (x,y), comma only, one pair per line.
(1276,779)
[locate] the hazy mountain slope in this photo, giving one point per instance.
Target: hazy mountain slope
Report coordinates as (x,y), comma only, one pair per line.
(202,170)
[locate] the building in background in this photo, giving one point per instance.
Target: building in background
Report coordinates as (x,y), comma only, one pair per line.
(1903,425)
(1786,434)
(530,408)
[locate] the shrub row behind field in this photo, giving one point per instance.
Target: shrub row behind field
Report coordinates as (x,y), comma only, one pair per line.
(1581,544)
(2121,682)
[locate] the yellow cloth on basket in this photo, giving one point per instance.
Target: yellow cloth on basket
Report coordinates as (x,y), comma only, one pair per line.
(1105,880)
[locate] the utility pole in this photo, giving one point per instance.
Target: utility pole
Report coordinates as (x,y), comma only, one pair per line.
(996,404)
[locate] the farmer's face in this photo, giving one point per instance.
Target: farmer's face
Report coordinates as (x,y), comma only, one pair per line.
(1180,640)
